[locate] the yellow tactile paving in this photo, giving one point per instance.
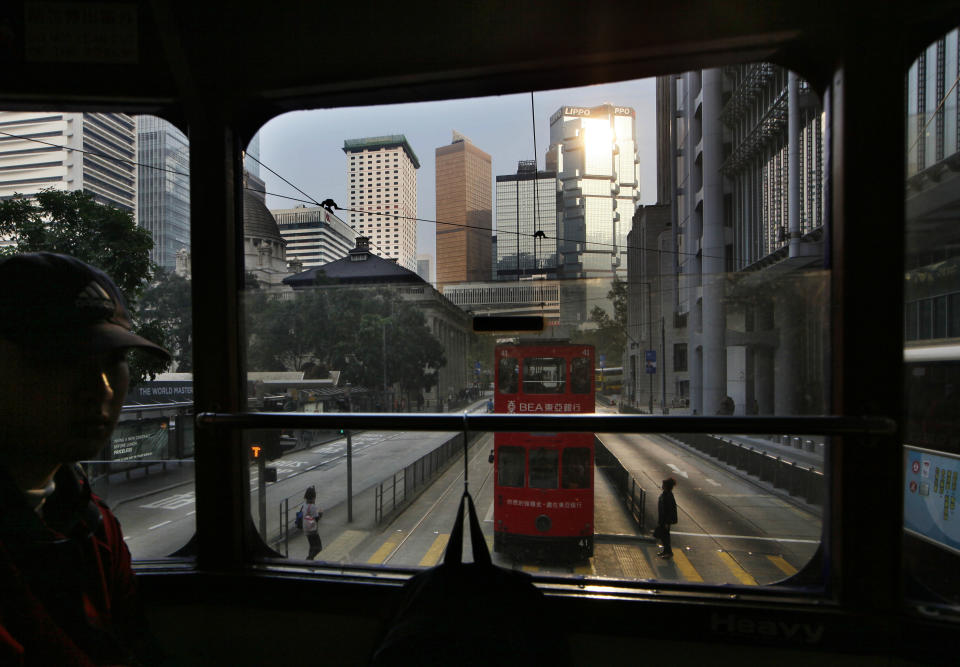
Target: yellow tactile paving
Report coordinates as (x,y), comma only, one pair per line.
(742,575)
(784,566)
(385,549)
(432,557)
(632,562)
(340,548)
(686,568)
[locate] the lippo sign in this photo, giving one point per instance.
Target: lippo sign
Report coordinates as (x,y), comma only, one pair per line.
(590,112)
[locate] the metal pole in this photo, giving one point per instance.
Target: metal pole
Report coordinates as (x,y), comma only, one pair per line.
(349,478)
(663,369)
(349,463)
(262,492)
(385,366)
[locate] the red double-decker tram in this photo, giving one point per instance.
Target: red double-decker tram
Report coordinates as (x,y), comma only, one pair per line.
(543,482)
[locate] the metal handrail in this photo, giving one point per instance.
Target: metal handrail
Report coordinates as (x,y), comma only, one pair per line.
(572,423)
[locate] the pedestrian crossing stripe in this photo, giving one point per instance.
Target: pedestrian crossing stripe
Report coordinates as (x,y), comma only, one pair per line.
(385,549)
(435,551)
(686,568)
(784,566)
(742,575)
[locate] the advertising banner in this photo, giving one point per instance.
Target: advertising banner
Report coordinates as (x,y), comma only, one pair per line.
(930,497)
(136,440)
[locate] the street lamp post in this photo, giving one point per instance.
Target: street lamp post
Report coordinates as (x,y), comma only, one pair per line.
(349,462)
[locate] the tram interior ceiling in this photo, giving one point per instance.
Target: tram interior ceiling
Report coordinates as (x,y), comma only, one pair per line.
(422,256)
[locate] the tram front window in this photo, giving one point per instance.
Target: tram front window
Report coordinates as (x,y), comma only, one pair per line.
(576,467)
(511,466)
(544,375)
(508,374)
(543,468)
(580,375)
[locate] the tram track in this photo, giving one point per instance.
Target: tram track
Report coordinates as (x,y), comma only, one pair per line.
(457,481)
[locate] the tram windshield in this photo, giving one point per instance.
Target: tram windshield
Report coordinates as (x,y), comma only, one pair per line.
(543,468)
(576,468)
(544,375)
(512,466)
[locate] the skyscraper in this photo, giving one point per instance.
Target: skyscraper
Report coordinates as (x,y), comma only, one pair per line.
(383,195)
(463,200)
(526,222)
(314,235)
(101,162)
(594,152)
(163,188)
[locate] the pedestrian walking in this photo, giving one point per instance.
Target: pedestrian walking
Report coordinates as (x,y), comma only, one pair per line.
(666,516)
(311,522)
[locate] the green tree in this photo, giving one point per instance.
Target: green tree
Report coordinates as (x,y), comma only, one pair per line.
(610,336)
(73,223)
(166,305)
(344,328)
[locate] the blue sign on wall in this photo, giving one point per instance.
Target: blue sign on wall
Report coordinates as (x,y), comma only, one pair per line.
(650,359)
(930,497)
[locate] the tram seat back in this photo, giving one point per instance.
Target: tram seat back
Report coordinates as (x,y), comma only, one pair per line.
(473,613)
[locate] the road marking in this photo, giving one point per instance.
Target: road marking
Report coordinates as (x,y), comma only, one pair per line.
(435,551)
(710,481)
(784,566)
(748,537)
(686,568)
(585,569)
(489,517)
(677,470)
(386,548)
(742,575)
(172,502)
(159,524)
(343,544)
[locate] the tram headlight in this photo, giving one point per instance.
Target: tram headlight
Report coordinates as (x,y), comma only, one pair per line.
(543,523)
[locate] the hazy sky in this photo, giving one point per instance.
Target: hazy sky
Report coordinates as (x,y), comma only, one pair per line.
(306,147)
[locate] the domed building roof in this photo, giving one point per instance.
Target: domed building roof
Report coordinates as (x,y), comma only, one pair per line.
(258,222)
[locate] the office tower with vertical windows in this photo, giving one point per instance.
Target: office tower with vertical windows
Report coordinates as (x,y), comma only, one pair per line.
(382,176)
(163,188)
(594,152)
(424,269)
(526,223)
(93,152)
(314,236)
(464,212)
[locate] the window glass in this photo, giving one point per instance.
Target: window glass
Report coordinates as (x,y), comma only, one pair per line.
(512,466)
(932,350)
(580,371)
(509,374)
(683,286)
(576,468)
(543,468)
(127,177)
(543,375)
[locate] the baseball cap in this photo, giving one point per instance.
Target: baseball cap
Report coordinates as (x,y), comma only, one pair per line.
(58,304)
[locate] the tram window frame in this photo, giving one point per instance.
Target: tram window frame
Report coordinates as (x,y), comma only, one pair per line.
(582,478)
(511,383)
(540,386)
(545,466)
(515,461)
(581,372)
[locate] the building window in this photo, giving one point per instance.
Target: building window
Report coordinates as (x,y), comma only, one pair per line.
(679,357)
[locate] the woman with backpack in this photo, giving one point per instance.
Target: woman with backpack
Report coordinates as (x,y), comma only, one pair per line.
(311,522)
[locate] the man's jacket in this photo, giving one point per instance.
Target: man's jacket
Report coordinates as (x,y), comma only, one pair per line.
(67,591)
